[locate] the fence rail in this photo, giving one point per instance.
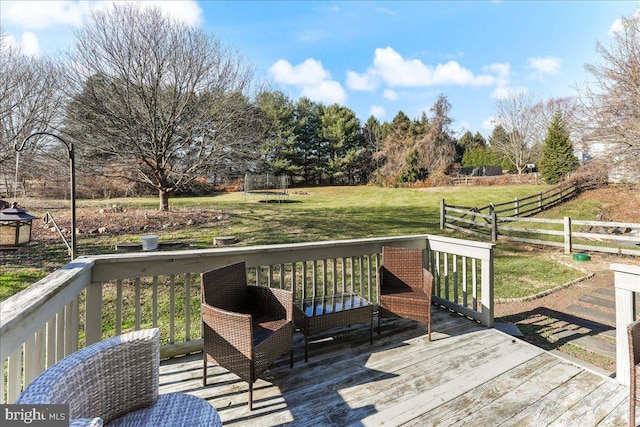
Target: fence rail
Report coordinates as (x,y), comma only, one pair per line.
(93,298)
(597,236)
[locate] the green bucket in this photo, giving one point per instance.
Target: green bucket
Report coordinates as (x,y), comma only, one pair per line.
(581,257)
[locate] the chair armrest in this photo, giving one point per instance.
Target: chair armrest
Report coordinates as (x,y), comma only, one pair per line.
(275,302)
(427,282)
(234,328)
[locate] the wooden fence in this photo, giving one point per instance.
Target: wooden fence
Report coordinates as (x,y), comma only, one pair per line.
(512,221)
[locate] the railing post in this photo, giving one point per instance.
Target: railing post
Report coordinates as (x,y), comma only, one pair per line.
(494,223)
(93,314)
(487,290)
(442,213)
(627,283)
(568,247)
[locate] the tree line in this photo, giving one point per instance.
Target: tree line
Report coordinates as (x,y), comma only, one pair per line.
(150,102)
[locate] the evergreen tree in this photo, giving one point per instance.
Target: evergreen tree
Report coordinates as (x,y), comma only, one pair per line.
(558,159)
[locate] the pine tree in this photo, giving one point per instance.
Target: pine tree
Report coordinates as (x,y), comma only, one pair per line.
(558,159)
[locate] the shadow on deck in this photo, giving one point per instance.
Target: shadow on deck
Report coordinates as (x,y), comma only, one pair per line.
(468,375)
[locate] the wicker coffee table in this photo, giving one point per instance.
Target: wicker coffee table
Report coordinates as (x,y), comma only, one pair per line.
(313,315)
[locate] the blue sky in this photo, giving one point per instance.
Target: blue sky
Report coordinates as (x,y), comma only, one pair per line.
(380,57)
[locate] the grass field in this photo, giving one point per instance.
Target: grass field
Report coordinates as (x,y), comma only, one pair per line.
(310,214)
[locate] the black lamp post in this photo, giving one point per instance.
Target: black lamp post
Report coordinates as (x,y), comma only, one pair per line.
(15,226)
(72,173)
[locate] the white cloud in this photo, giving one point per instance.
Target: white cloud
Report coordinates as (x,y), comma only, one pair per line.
(489,124)
(30,44)
(365,81)
(311,78)
(310,72)
(544,65)
(390,94)
(394,70)
(327,92)
(40,15)
(377,111)
(617,24)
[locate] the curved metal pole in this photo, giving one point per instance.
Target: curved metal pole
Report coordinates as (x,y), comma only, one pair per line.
(72,173)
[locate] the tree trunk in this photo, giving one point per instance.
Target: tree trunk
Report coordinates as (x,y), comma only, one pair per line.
(164,200)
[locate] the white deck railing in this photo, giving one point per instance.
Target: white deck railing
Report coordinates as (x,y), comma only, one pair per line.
(627,285)
(65,310)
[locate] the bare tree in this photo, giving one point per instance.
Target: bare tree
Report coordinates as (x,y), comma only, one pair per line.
(612,100)
(163,100)
(30,100)
(515,114)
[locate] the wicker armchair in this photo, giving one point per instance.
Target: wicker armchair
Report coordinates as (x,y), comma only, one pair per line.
(633,334)
(246,328)
(116,382)
(404,286)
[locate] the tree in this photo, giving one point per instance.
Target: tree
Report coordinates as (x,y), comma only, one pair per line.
(308,116)
(164,100)
(612,101)
(416,150)
(340,130)
(558,159)
(279,147)
(469,141)
(30,101)
(515,114)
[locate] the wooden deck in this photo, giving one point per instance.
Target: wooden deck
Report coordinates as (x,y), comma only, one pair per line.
(468,375)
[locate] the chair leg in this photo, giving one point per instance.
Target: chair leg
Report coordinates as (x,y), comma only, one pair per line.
(291,359)
(250,396)
(632,409)
(429,328)
(204,370)
(379,316)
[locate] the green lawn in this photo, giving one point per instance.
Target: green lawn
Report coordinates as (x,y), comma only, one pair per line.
(316,214)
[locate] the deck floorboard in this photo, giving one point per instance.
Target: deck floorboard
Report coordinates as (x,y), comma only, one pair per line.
(467,375)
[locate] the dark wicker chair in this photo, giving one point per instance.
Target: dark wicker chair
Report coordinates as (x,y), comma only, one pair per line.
(245,328)
(405,286)
(633,333)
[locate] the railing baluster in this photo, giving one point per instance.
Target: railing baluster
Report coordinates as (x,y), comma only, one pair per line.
(3,370)
(59,335)
(344,274)
(282,277)
(446,276)
(352,286)
(474,284)
(75,324)
(455,278)
(335,276)
(68,329)
(304,279)
(137,304)
(314,272)
(187,307)
(14,375)
(270,277)
(294,280)
(119,307)
(325,276)
(437,275)
(172,309)
(51,342)
(465,302)
(30,359)
(154,299)
(361,273)
(369,276)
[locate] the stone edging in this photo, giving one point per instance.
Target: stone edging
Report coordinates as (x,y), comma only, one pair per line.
(545,293)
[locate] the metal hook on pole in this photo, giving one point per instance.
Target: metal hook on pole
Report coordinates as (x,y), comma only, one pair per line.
(72,173)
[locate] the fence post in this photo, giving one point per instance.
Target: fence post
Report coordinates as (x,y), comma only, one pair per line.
(567,235)
(494,225)
(442,212)
(516,207)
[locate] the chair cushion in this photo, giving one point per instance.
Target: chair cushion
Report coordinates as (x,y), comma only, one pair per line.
(264,326)
(172,410)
